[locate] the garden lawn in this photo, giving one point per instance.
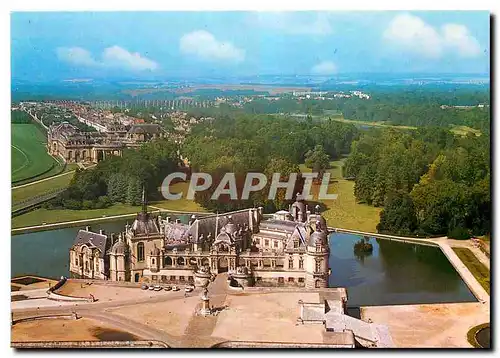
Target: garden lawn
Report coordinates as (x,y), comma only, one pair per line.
(345,212)
(480,272)
(182,204)
(23,194)
(40,216)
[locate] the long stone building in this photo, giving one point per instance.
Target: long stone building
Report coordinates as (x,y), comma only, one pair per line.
(289,249)
(67,141)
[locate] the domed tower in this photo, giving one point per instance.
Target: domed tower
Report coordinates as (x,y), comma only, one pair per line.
(298,209)
(117,257)
(317,255)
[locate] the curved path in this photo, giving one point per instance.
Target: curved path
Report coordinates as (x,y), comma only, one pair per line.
(26,159)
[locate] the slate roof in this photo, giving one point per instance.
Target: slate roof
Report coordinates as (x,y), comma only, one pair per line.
(150,128)
(281,225)
(90,238)
(145,224)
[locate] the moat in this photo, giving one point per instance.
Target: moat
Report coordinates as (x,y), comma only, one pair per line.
(393,273)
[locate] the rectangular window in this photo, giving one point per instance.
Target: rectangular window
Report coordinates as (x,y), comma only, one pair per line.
(301,280)
(172,278)
(267,242)
(275,243)
(281,280)
(318,266)
(290,263)
(301,264)
(163,278)
(291,279)
(154,277)
(296,244)
(181,278)
(191,279)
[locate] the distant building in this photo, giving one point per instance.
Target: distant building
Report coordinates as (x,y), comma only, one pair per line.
(74,146)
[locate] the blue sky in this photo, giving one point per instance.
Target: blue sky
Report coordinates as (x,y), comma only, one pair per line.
(48,45)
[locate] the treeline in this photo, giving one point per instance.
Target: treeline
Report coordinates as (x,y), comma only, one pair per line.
(263,144)
(428,181)
(120,179)
(20,117)
(418,115)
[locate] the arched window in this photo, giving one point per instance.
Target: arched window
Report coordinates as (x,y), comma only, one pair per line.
(140,251)
(97,265)
(152,261)
(167,261)
(76,259)
(180,261)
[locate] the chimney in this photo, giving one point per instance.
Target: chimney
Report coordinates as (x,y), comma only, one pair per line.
(87,228)
(167,219)
(101,232)
(177,221)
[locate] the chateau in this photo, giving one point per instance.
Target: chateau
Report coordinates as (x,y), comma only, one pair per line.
(288,249)
(75,146)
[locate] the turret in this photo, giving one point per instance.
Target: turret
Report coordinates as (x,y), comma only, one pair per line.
(317,256)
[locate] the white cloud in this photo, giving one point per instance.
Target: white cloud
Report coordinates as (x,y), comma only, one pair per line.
(324,68)
(117,56)
(111,57)
(204,45)
(296,23)
(415,35)
(76,56)
(458,37)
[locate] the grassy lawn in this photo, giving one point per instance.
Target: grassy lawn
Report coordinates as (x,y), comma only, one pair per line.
(464,130)
(480,272)
(33,190)
(180,205)
(345,212)
(29,155)
(371,124)
(40,216)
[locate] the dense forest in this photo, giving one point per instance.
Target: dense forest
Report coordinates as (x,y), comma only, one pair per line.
(262,144)
(428,181)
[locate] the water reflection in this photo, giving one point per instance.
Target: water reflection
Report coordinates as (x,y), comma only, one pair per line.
(395,273)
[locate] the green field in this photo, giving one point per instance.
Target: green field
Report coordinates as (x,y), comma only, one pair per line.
(480,272)
(21,194)
(28,152)
(345,212)
(40,216)
(182,204)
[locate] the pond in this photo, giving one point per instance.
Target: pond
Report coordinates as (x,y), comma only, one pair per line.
(394,273)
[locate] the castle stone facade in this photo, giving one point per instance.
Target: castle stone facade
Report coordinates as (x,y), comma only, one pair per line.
(289,249)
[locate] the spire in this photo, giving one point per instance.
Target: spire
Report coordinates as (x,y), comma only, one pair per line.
(144,200)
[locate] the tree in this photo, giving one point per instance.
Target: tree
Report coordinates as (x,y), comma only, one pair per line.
(134,191)
(317,160)
(398,216)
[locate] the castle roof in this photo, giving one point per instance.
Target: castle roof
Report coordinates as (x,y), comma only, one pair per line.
(91,239)
(147,128)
